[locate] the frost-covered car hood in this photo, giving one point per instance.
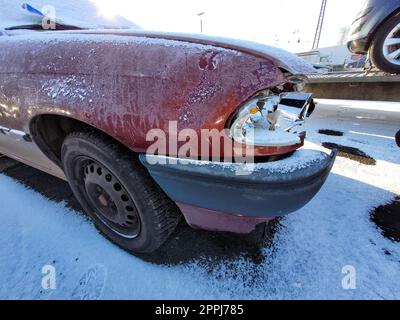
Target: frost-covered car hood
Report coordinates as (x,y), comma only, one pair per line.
(84,14)
(283,59)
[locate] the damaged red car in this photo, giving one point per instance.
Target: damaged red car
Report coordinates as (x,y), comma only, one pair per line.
(79,104)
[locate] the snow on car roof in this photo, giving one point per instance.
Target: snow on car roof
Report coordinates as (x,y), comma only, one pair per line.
(80,13)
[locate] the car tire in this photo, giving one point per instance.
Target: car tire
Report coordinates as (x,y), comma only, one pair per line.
(378,46)
(398,138)
(117,192)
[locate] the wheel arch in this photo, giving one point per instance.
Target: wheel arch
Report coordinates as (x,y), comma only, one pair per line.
(48,131)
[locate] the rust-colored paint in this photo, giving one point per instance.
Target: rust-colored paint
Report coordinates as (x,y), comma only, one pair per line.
(127,85)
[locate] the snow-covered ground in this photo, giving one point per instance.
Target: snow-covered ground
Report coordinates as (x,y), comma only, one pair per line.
(306,260)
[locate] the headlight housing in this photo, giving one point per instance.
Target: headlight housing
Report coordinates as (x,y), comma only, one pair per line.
(264,121)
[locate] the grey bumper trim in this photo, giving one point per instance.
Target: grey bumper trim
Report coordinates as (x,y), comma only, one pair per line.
(263,193)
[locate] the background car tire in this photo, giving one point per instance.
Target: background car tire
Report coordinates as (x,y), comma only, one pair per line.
(376,49)
(90,159)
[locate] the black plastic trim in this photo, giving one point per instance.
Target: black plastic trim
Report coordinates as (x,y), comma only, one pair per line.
(260,194)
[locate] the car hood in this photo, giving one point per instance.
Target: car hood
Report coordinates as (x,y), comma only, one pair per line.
(282,59)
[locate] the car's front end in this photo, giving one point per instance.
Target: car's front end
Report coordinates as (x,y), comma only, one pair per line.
(266,175)
(269,176)
(139,121)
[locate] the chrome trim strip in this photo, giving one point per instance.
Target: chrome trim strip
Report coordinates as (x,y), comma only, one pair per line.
(16,133)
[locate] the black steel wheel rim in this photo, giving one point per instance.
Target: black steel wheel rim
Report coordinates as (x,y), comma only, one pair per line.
(108,198)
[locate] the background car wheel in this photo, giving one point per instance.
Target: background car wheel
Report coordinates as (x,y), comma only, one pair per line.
(385,49)
(117,192)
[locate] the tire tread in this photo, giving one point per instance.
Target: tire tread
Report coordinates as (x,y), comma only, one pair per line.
(165,214)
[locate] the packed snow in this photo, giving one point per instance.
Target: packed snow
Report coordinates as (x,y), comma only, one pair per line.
(310,250)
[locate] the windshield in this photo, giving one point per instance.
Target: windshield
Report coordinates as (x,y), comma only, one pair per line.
(63,15)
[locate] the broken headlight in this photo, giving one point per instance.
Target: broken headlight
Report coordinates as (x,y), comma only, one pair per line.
(266,121)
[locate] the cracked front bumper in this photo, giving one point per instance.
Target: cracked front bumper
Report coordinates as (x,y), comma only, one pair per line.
(248,193)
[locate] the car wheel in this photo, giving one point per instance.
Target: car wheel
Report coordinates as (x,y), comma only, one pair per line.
(117,192)
(385,48)
(398,138)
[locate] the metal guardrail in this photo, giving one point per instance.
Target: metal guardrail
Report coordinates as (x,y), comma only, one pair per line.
(353,76)
(353,85)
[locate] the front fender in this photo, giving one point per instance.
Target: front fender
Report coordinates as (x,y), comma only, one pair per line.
(126,86)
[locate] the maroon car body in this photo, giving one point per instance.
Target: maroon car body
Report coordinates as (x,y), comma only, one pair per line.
(124,84)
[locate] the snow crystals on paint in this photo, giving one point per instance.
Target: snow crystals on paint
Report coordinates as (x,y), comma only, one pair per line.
(71,86)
